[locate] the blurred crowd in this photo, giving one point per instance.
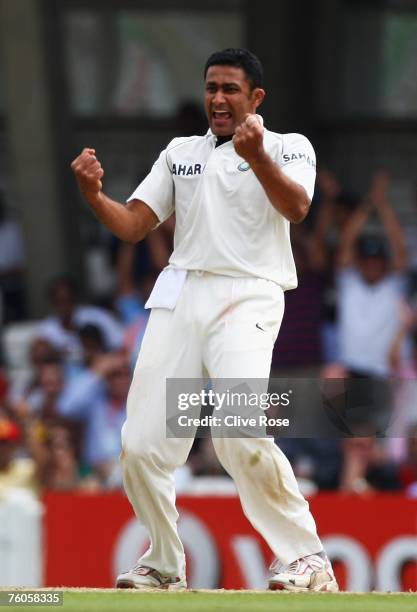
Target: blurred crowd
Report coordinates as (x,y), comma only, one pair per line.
(63,394)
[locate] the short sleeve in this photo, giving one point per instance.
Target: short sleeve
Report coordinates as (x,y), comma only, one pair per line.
(298,161)
(157,189)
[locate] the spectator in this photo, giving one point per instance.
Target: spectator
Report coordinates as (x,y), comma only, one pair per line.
(370,285)
(40,352)
(138,266)
(203,459)
(330,219)
(12,263)
(15,472)
(335,210)
(92,340)
(318,460)
(43,398)
(136,276)
(366,468)
(61,328)
(134,336)
(405,385)
(93,346)
(133,274)
(403,365)
(60,465)
(130,303)
(98,398)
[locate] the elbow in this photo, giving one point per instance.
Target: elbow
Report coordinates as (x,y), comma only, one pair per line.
(129,238)
(301,212)
(132,239)
(135,235)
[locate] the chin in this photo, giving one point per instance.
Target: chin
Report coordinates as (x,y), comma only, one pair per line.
(222,131)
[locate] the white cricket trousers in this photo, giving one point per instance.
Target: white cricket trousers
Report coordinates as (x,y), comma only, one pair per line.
(212,329)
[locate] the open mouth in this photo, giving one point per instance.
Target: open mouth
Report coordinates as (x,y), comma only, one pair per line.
(222,115)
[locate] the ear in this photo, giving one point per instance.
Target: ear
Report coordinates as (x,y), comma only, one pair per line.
(258,96)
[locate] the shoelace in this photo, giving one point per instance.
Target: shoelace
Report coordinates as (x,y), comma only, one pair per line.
(139,569)
(278,567)
(293,567)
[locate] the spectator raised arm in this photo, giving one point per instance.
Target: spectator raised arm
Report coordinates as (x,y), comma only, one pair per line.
(376,201)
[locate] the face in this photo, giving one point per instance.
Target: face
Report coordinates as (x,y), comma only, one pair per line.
(373,269)
(41,351)
(92,348)
(51,378)
(228,98)
(63,301)
(119,383)
(61,446)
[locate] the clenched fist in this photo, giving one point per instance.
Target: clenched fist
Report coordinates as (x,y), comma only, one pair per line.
(88,172)
(248,138)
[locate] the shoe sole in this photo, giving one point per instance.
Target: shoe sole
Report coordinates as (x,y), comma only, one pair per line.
(129,584)
(327,587)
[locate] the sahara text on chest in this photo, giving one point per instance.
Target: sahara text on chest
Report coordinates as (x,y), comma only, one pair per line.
(183,170)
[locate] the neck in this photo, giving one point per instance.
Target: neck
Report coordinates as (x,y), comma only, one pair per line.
(222,139)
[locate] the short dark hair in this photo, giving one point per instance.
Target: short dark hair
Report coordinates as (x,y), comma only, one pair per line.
(92,332)
(370,245)
(240,58)
(62,281)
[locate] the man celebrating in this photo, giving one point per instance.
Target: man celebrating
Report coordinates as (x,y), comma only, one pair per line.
(216,308)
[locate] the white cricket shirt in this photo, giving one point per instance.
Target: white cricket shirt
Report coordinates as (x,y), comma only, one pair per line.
(225,223)
(368,320)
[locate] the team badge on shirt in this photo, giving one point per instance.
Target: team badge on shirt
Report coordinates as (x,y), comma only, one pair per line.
(243,166)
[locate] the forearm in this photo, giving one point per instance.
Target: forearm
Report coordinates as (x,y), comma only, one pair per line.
(130,222)
(394,235)
(350,235)
(78,397)
(394,354)
(286,196)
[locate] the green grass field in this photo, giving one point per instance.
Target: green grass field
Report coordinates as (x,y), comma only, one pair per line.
(225,601)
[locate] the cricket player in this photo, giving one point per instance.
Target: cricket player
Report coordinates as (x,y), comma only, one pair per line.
(216,308)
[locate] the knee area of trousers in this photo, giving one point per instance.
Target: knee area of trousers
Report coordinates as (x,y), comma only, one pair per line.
(139,452)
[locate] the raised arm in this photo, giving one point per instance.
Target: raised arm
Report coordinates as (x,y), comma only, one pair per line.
(130,223)
(286,196)
(346,252)
(389,220)
(376,200)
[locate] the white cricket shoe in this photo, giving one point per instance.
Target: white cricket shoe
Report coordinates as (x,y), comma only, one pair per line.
(142,577)
(311,573)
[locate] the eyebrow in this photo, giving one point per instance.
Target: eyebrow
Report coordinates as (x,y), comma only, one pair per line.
(231,84)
